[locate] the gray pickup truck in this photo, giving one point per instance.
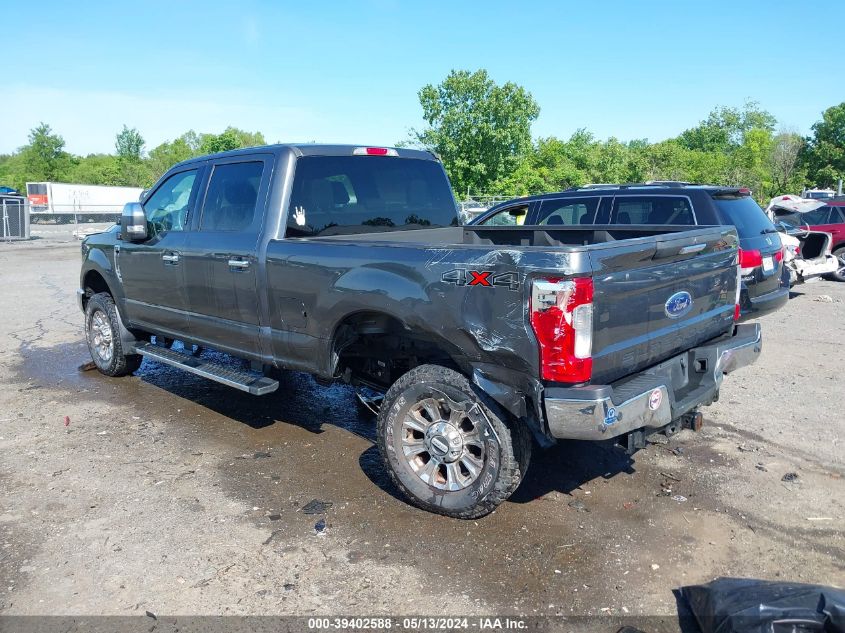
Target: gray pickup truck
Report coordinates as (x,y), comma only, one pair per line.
(349,263)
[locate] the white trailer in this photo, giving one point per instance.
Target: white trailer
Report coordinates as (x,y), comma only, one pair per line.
(69,202)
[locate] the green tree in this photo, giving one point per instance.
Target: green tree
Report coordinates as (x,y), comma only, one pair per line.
(750,165)
(824,156)
(480,130)
(96,169)
(44,157)
(787,174)
(13,172)
(129,144)
(164,156)
(724,129)
(230,138)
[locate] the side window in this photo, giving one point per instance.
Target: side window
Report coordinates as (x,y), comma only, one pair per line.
(232,195)
(652,210)
(837,215)
(512,216)
(167,208)
(816,216)
(569,211)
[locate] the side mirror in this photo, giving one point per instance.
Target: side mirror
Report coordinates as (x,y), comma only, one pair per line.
(133,222)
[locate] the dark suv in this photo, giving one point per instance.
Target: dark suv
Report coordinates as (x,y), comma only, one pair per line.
(764,285)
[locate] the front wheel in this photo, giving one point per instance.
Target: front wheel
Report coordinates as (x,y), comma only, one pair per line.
(447,447)
(102,331)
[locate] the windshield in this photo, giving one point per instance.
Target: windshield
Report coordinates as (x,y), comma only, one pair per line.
(340,195)
(745,214)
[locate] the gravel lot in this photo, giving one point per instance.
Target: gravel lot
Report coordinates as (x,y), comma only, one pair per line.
(171,494)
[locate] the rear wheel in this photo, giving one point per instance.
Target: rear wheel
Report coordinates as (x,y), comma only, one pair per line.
(102,332)
(447,447)
(839,254)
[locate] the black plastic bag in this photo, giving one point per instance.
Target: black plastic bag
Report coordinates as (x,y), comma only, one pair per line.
(743,605)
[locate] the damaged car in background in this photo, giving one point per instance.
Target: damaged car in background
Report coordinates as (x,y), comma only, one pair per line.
(807,254)
(349,263)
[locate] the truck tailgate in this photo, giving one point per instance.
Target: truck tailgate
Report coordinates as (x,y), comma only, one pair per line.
(652,304)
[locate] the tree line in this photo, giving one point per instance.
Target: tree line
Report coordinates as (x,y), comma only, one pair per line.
(482,132)
(44,157)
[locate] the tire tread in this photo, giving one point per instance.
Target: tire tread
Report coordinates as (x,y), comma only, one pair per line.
(515,441)
(122,364)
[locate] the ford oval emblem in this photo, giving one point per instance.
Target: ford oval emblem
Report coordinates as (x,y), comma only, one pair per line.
(678,304)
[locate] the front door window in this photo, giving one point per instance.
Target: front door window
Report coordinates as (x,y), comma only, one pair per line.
(167,208)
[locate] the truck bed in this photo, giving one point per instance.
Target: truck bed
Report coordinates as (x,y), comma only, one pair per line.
(421,278)
(540,236)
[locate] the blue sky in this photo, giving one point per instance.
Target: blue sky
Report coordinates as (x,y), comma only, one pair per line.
(339,71)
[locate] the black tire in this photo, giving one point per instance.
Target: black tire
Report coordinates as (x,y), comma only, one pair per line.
(839,275)
(101,322)
(505,444)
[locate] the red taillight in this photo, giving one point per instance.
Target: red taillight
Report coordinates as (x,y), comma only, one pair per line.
(738,295)
(749,260)
(375,151)
(779,256)
(744,191)
(562,320)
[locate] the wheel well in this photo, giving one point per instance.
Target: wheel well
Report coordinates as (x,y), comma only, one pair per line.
(94,283)
(375,349)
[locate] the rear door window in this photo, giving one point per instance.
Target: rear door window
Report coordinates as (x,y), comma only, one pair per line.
(342,195)
(568,211)
(232,196)
(745,214)
(652,210)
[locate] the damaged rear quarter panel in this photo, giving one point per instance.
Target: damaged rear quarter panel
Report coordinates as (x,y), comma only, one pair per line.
(471,299)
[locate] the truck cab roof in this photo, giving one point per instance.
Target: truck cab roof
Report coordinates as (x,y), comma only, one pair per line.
(317,149)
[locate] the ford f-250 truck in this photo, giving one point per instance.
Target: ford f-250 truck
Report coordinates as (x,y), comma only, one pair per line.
(349,263)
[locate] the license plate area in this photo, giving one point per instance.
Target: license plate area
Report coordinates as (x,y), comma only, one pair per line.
(768,264)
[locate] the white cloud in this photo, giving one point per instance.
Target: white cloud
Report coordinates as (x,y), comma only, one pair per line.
(89,120)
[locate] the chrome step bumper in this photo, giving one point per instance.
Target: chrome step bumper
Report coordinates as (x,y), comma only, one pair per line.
(654,397)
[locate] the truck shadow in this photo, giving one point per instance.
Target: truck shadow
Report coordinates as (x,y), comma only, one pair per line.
(584,462)
(569,465)
(302,402)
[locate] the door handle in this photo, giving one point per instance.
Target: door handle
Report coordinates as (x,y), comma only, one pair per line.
(170,258)
(239,264)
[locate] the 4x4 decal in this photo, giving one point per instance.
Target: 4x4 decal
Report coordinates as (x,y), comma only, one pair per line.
(484,278)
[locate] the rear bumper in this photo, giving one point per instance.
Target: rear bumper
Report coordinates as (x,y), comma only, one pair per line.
(801,270)
(655,397)
(753,306)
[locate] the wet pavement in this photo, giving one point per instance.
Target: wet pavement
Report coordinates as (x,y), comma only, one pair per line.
(202,489)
